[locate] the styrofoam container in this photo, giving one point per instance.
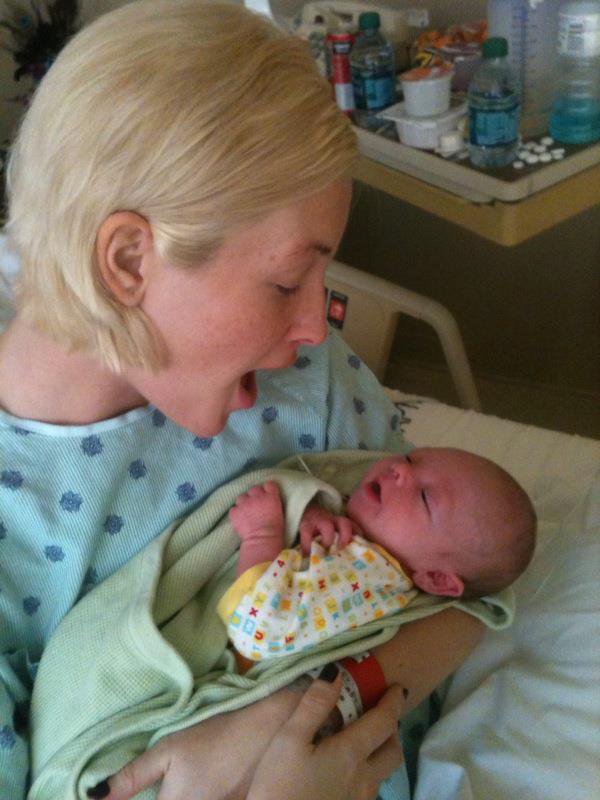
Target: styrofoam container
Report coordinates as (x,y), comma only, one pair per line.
(427,90)
(424,132)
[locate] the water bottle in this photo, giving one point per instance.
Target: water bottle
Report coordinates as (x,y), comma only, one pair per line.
(372,70)
(530,28)
(575,116)
(494,107)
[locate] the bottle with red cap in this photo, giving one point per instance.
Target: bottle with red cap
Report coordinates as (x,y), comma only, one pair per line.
(339,44)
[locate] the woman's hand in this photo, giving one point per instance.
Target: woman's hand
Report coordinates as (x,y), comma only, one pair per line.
(347,766)
(214,760)
(217,759)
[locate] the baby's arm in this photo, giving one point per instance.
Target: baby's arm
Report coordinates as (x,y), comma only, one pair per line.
(257,518)
(331,529)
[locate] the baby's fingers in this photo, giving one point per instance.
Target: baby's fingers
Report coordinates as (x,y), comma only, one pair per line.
(271,487)
(309,530)
(328,534)
(255,491)
(345,531)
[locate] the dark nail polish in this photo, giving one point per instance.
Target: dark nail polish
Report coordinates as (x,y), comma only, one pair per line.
(99,791)
(405,693)
(329,673)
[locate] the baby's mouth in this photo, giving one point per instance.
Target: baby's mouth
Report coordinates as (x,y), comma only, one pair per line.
(374,491)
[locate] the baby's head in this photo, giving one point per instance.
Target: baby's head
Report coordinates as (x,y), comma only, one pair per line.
(458,523)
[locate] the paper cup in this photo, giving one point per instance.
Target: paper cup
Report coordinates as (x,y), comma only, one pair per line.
(427,90)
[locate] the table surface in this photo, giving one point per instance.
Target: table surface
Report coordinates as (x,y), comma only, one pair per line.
(505,206)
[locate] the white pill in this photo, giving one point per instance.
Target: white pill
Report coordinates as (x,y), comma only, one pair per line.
(547,140)
(558,154)
(523,153)
(545,158)
(532,159)
(539,148)
(518,164)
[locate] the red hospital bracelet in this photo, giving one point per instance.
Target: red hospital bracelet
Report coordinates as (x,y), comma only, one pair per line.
(368,676)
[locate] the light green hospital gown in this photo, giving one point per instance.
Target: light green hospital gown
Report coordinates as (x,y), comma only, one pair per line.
(77,502)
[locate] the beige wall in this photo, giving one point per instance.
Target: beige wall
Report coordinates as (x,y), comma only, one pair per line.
(445,12)
(442,12)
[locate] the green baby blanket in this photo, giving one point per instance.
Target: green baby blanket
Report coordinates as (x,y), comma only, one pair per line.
(145,653)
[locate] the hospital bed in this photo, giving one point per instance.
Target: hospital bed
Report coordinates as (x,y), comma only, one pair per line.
(520,719)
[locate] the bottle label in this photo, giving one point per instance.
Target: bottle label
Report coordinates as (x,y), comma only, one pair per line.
(493,128)
(344,96)
(579,35)
(374,93)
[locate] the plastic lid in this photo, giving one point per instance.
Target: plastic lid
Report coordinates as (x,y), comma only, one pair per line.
(369,19)
(495,47)
(428,73)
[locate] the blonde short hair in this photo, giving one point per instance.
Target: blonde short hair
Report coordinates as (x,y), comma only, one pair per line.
(198,116)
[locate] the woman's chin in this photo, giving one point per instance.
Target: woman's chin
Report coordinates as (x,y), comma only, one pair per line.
(207,416)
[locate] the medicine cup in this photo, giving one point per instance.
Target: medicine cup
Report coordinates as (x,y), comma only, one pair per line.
(427,90)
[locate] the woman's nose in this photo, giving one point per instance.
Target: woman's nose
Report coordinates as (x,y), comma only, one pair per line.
(309,324)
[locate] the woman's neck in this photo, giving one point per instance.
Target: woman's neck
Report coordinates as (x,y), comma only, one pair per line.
(40,380)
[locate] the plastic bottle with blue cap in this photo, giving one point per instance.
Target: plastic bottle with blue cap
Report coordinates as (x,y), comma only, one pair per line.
(373,71)
(494,108)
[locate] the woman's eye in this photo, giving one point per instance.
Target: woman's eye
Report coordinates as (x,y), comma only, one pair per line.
(286,290)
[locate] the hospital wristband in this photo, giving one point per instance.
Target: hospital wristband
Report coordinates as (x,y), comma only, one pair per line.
(367,675)
(349,703)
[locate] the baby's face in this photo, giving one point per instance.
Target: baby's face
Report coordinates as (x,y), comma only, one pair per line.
(419,506)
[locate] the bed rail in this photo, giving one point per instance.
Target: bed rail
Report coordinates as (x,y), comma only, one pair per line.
(365,308)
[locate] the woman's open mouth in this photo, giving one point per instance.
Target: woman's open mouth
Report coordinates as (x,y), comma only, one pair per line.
(248,391)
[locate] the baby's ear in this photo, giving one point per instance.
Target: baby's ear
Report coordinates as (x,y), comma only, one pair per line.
(438,582)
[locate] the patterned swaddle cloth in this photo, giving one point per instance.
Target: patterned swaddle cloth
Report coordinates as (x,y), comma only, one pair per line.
(298,601)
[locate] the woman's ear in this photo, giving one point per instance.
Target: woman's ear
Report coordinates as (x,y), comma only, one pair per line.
(125,249)
(437,582)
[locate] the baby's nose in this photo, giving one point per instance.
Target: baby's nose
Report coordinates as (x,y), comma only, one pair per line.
(402,473)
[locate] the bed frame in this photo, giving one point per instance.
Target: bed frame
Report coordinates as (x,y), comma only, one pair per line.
(366,308)
(521,717)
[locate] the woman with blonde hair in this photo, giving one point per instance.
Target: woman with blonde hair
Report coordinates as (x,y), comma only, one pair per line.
(176,190)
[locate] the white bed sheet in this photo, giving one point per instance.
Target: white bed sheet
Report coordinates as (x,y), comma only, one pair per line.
(521,718)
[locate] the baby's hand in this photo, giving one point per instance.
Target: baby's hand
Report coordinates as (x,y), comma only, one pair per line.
(331,529)
(258,511)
